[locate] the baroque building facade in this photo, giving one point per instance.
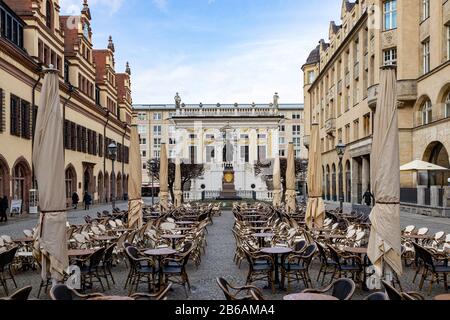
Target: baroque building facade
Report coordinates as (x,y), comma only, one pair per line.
(97,100)
(221,135)
(341,79)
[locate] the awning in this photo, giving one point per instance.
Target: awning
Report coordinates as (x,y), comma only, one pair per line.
(418,165)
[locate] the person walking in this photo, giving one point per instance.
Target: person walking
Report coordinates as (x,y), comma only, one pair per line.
(75,200)
(87,200)
(3,207)
(368,196)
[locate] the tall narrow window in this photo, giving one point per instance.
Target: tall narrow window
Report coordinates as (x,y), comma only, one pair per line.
(49,14)
(390,57)
(447,106)
(427,112)
(1,110)
(390,14)
(426,56)
(425,9)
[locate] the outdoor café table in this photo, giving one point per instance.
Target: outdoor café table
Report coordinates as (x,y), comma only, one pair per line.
(185,223)
(73,253)
(360,251)
(442,297)
(173,238)
(261,236)
(417,237)
(113,298)
(104,238)
(308,297)
(260,229)
(24,240)
(160,253)
(275,251)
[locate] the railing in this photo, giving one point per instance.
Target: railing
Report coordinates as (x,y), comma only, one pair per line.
(190,196)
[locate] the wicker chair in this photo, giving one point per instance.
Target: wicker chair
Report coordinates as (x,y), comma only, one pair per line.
(162,295)
(140,267)
(343,289)
(63,292)
(326,262)
(260,267)
(377,296)
(237,293)
(394,294)
(6,260)
(20,295)
(90,269)
(345,264)
(174,268)
(296,265)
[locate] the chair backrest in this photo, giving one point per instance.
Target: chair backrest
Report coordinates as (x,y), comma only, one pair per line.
(422,231)
(96,258)
(360,235)
(377,296)
(171,220)
(119,222)
(409,229)
(112,224)
(101,227)
(299,246)
(21,294)
(80,238)
(132,254)
(256,295)
(7,239)
(28,233)
(447,238)
(167,226)
(61,292)
(95,230)
(343,289)
(392,293)
(225,287)
(108,256)
(439,235)
(350,233)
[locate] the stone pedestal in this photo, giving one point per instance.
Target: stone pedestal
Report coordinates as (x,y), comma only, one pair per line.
(421,195)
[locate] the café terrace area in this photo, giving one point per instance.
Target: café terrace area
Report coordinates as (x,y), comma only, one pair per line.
(182,253)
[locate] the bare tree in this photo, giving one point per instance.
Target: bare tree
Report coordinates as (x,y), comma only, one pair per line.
(189,172)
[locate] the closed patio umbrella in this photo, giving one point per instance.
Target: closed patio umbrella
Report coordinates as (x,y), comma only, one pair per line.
(290,180)
(178,193)
(135,182)
(50,241)
(164,179)
(276,183)
(385,236)
(315,210)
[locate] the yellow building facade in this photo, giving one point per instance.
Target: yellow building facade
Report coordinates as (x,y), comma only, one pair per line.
(96,100)
(341,79)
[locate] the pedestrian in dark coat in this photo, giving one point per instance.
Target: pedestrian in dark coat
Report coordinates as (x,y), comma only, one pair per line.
(87,200)
(75,200)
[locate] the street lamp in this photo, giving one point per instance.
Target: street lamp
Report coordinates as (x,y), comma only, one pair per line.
(340,150)
(152,169)
(112,149)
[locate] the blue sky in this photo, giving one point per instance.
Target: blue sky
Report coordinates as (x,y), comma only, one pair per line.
(211,50)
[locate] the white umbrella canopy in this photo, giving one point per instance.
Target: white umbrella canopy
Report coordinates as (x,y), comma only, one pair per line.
(419,165)
(290,180)
(135,182)
(385,237)
(178,193)
(164,179)
(315,210)
(276,183)
(50,242)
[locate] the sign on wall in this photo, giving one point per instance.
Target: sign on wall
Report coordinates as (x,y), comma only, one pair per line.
(16,207)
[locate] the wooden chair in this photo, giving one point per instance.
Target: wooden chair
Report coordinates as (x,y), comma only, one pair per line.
(343,289)
(20,295)
(63,292)
(237,293)
(90,268)
(260,267)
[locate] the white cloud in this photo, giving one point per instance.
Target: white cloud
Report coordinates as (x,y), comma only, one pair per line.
(244,73)
(74,6)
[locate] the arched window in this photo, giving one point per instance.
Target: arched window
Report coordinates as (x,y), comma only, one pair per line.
(447,106)
(49,14)
(427,113)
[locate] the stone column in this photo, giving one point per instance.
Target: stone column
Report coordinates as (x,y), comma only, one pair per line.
(253,146)
(434,196)
(355,171)
(365,173)
(421,195)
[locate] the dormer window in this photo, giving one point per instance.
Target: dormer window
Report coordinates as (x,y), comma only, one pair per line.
(49,15)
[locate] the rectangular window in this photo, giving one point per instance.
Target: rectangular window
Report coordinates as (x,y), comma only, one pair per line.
(426,56)
(311,77)
(282,128)
(157,116)
(100,145)
(296,116)
(172,141)
(142,116)
(282,140)
(390,57)
(356,129)
(262,136)
(282,153)
(142,129)
(15,116)
(366,124)
(262,153)
(143,141)
(193,154)
(157,130)
(390,14)
(296,130)
(347,134)
(245,154)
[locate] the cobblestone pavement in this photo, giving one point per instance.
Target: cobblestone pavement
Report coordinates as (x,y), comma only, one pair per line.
(217,261)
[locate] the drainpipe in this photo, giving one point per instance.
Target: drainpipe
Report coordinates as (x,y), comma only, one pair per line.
(123,160)
(105,152)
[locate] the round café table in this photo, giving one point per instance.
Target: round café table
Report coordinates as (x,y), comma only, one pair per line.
(173,238)
(309,297)
(275,251)
(23,240)
(262,236)
(442,297)
(159,254)
(113,298)
(80,252)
